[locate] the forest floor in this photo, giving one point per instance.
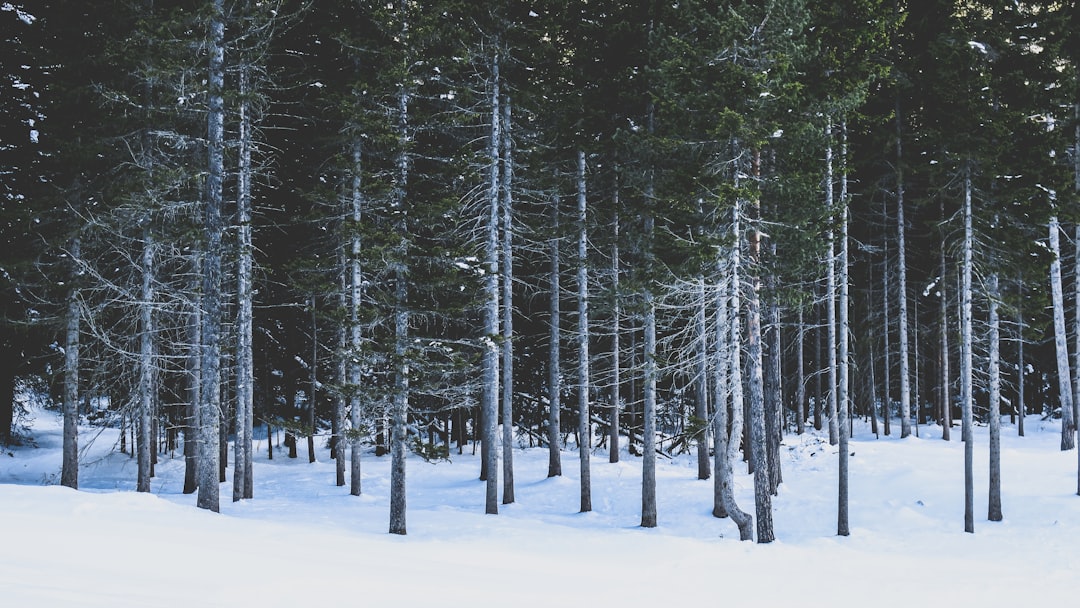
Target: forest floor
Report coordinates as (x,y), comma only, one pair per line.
(304,541)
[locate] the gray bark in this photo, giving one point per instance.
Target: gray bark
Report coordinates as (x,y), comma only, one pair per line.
(146,364)
(729,382)
(843,405)
(584,434)
(356,279)
(69,472)
(758,439)
(245,366)
(1021,376)
(902,296)
(507,268)
(554,371)
(210,393)
(701,380)
(830,296)
(648,461)
(194,375)
(966,359)
(1061,346)
(994,508)
(616,319)
(489,399)
(399,406)
(800,375)
(946,380)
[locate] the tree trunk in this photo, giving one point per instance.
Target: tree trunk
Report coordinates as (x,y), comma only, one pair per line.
(191,411)
(729,379)
(966,360)
(584,434)
(400,404)
(758,439)
(648,434)
(146,364)
(946,391)
(1061,346)
(701,381)
(314,382)
(245,366)
(507,269)
(830,298)
(843,401)
(994,510)
(902,296)
(210,393)
(886,308)
(554,371)
(356,280)
(490,392)
(800,374)
(616,315)
(1021,367)
(69,474)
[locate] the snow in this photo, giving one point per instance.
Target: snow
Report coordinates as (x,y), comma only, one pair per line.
(304,541)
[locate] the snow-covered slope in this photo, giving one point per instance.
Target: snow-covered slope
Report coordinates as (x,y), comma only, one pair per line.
(304,541)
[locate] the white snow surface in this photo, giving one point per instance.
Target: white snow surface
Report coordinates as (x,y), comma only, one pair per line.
(303,541)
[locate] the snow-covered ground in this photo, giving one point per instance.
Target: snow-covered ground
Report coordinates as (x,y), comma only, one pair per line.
(302,541)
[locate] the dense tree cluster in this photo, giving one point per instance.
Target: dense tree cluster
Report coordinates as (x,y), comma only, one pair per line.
(655,226)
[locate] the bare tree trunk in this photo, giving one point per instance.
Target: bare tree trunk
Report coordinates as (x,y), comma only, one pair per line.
(902,296)
(489,397)
(800,374)
(648,462)
(843,406)
(701,380)
(946,377)
(245,366)
(191,411)
(400,406)
(886,307)
(313,381)
(146,363)
(69,472)
(616,315)
(966,361)
(356,280)
(758,439)
(830,299)
(1068,425)
(729,380)
(994,510)
(507,306)
(1021,367)
(554,371)
(210,393)
(584,434)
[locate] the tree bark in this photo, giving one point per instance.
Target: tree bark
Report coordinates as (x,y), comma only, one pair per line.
(966,360)
(356,282)
(146,364)
(648,461)
(843,405)
(507,268)
(245,363)
(946,377)
(489,401)
(584,434)
(994,508)
(758,439)
(210,393)
(830,298)
(400,404)
(1061,346)
(902,296)
(69,473)
(554,371)
(616,319)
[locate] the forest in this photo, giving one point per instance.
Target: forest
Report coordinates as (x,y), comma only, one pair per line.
(383,228)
